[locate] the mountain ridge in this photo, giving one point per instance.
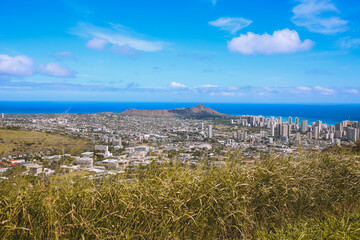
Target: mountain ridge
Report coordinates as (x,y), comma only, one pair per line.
(192,112)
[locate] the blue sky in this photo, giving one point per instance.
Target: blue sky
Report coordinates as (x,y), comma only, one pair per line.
(291,51)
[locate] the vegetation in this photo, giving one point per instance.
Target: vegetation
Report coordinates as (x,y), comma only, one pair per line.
(306,196)
(18,142)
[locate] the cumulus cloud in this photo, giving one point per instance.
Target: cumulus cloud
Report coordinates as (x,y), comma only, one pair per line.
(55,70)
(231,25)
(97,44)
(318,16)
(177,85)
(282,41)
(16,66)
(116,35)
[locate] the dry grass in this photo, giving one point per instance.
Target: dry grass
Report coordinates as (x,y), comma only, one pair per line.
(281,198)
(17,142)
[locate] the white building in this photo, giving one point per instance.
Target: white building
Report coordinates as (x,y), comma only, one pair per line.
(85,162)
(210,132)
(35,169)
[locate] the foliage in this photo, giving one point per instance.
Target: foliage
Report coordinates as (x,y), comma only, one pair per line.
(19,142)
(303,196)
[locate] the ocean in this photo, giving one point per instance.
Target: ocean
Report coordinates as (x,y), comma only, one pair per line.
(328,113)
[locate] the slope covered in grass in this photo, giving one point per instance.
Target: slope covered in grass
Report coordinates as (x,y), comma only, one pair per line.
(18,141)
(303,196)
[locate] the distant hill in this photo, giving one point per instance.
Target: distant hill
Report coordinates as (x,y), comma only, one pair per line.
(199,111)
(19,142)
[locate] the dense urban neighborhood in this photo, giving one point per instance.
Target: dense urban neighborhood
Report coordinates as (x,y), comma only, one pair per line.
(117,141)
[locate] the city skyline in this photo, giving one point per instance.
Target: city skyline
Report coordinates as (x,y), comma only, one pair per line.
(296,51)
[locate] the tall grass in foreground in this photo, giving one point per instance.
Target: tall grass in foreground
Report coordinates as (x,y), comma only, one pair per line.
(302,196)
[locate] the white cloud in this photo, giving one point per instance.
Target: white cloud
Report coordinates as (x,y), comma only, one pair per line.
(233,88)
(231,24)
(282,41)
(16,66)
(227,94)
(318,16)
(207,86)
(24,66)
(347,43)
(55,70)
(352,91)
(301,88)
(177,85)
(97,44)
(123,49)
(116,35)
(324,90)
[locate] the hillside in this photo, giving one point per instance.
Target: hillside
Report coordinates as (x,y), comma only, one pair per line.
(18,142)
(199,111)
(306,196)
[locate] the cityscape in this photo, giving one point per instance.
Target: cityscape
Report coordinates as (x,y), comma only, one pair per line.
(120,141)
(172,120)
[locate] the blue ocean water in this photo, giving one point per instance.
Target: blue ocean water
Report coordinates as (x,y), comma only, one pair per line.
(328,113)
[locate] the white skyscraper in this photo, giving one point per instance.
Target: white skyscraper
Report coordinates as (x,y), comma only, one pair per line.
(272,130)
(285,130)
(296,121)
(2,115)
(210,133)
(201,126)
(316,132)
(290,120)
(304,124)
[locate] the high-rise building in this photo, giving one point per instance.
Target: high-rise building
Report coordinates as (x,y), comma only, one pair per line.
(2,116)
(261,119)
(210,133)
(309,135)
(332,128)
(290,120)
(238,135)
(352,134)
(338,130)
(304,124)
(285,130)
(298,138)
(278,130)
(338,134)
(280,120)
(201,126)
(243,136)
(272,130)
(263,134)
(296,121)
(319,123)
(338,127)
(316,132)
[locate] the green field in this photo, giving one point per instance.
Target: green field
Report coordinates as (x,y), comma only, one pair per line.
(307,196)
(18,142)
